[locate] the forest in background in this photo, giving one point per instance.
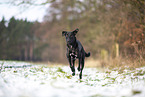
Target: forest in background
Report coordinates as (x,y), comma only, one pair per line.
(102,24)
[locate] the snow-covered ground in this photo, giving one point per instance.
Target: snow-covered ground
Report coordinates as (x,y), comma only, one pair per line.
(20,79)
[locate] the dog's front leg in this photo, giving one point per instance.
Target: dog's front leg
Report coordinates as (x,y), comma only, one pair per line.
(73,66)
(71,63)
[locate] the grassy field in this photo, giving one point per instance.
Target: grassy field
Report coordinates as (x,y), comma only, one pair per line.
(24,79)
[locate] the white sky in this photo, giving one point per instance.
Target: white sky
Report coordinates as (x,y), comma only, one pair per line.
(32,13)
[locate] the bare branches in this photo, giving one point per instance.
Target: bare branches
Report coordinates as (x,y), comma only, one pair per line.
(28,2)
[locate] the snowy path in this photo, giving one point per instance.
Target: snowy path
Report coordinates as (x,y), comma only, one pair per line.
(44,81)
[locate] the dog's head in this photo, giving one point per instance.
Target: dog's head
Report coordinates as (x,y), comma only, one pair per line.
(70,36)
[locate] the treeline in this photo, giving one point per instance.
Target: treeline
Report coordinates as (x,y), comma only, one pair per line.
(105,25)
(17,40)
(102,24)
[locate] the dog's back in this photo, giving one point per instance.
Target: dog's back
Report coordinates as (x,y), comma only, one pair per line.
(81,48)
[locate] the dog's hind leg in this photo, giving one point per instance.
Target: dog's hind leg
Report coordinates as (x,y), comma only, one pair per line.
(81,68)
(79,65)
(79,61)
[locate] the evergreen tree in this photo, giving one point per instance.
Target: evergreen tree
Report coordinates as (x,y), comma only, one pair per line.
(2,29)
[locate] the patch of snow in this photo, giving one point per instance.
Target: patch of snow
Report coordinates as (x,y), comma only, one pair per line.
(43,81)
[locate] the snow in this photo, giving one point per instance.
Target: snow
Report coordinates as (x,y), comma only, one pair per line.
(44,81)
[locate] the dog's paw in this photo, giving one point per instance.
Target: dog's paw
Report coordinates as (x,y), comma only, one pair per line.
(73,74)
(78,69)
(80,76)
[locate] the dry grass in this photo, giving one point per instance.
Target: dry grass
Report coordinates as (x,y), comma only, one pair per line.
(123,62)
(119,62)
(98,63)
(92,63)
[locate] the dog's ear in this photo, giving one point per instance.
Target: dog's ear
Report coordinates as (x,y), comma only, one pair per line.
(64,33)
(75,31)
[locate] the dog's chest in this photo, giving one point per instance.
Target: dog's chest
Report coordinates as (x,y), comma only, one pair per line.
(73,52)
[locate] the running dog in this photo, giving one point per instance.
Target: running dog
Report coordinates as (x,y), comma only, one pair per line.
(75,51)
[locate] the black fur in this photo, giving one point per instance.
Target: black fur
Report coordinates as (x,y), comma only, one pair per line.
(75,51)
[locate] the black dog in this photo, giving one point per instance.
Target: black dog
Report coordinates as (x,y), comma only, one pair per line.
(75,50)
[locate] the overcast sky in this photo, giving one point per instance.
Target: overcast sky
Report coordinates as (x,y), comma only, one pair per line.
(32,13)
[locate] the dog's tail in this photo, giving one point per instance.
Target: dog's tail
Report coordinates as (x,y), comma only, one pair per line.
(87,54)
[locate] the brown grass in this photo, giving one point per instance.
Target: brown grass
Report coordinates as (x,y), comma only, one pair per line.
(92,63)
(123,62)
(119,62)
